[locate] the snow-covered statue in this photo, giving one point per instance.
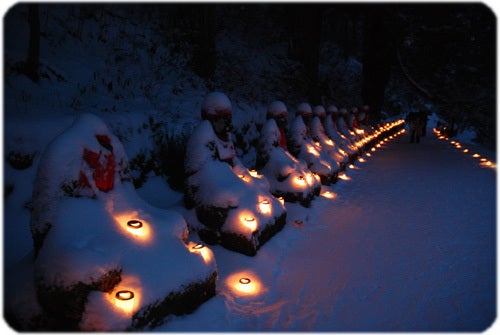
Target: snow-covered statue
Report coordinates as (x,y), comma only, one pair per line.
(302,146)
(331,130)
(105,259)
(233,205)
(363,122)
(338,155)
(288,177)
(344,129)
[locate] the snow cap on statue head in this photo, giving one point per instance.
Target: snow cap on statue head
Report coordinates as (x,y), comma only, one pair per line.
(332,109)
(304,109)
(276,109)
(319,111)
(216,104)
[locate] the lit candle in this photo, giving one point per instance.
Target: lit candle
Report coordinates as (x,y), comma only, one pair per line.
(202,250)
(250,222)
(124,300)
(135,227)
(265,206)
(245,281)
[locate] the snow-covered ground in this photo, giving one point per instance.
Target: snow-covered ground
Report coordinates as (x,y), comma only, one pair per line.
(408,243)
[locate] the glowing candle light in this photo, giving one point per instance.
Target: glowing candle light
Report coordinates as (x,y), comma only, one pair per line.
(328,194)
(343,176)
(476,155)
(134,224)
(135,227)
(124,300)
(466,150)
(300,180)
(254,173)
(249,222)
(245,281)
(282,200)
(313,151)
(265,206)
(202,250)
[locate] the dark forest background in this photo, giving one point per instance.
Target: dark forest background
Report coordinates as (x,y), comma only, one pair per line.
(394,57)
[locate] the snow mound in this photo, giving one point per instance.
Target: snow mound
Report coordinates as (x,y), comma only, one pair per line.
(105,259)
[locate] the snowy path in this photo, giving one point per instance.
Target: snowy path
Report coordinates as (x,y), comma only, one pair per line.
(408,244)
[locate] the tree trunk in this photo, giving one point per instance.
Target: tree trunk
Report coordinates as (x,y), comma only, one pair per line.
(205,50)
(33,59)
(378,57)
(305,22)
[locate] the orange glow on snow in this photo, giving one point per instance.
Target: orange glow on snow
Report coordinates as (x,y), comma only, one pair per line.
(312,150)
(126,296)
(248,220)
(265,206)
(138,228)
(343,176)
(201,250)
(244,283)
(328,195)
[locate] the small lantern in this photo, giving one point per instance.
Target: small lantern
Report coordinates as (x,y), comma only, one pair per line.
(202,250)
(135,227)
(265,206)
(198,246)
(124,300)
(245,281)
(300,180)
(250,222)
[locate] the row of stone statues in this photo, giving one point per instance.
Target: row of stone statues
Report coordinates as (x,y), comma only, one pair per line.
(104,259)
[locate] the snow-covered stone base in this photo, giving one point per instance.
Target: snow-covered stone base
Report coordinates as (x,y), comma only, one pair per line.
(211,231)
